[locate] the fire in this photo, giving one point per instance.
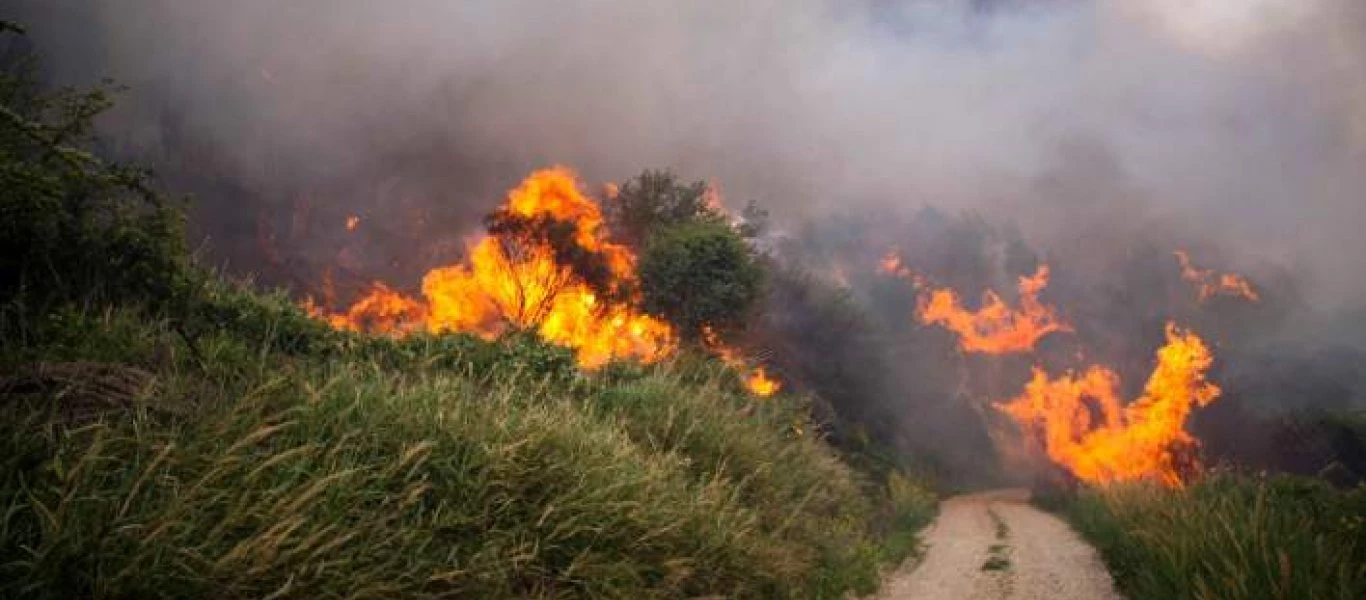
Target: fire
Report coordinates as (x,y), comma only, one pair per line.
(382,309)
(892,265)
(1082,425)
(756,379)
(1209,284)
(760,384)
(352,222)
(995,328)
(515,280)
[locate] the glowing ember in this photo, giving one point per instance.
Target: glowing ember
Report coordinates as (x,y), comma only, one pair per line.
(995,328)
(1209,284)
(514,280)
(352,222)
(756,379)
(891,264)
(1082,425)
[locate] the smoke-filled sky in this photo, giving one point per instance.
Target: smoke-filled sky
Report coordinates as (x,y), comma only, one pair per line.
(1237,121)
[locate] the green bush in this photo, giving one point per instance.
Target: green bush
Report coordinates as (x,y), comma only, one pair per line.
(72,225)
(701,275)
(655,201)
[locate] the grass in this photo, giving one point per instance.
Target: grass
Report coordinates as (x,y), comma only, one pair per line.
(229,467)
(997,561)
(167,434)
(998,558)
(1229,537)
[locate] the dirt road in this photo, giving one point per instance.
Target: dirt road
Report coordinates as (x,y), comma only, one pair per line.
(995,545)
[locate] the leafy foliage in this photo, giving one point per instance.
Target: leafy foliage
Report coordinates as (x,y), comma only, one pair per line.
(701,275)
(654,201)
(71,224)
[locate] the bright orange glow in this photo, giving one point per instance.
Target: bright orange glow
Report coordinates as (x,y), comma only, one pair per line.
(891,265)
(712,199)
(515,282)
(1209,284)
(995,328)
(352,222)
(1082,425)
(756,379)
(382,309)
(760,384)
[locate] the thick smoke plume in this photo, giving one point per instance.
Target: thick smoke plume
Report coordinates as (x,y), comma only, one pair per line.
(1096,135)
(1237,120)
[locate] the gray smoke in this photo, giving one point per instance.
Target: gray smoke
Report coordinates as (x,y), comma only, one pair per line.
(1237,121)
(1097,135)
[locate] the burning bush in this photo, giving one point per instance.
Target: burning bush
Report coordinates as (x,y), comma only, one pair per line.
(548,264)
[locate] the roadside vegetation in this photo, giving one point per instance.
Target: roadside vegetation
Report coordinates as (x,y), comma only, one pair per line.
(168,432)
(1228,537)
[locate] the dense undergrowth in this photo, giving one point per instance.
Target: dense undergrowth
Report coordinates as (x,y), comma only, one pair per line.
(168,433)
(445,467)
(1228,537)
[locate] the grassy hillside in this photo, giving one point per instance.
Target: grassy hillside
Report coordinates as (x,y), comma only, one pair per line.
(139,464)
(1229,537)
(166,433)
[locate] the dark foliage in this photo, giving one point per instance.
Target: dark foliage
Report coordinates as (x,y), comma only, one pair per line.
(73,226)
(701,275)
(655,201)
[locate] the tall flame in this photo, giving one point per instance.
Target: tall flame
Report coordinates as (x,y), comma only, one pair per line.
(1209,284)
(510,282)
(1083,426)
(995,328)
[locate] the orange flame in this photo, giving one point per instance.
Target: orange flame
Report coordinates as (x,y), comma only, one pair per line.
(382,309)
(756,379)
(995,328)
(1083,426)
(516,283)
(891,265)
(352,222)
(1209,284)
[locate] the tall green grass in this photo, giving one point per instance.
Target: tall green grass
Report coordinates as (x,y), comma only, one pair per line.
(382,469)
(1229,537)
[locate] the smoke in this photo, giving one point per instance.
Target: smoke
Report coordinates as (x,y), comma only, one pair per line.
(1103,133)
(1241,121)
